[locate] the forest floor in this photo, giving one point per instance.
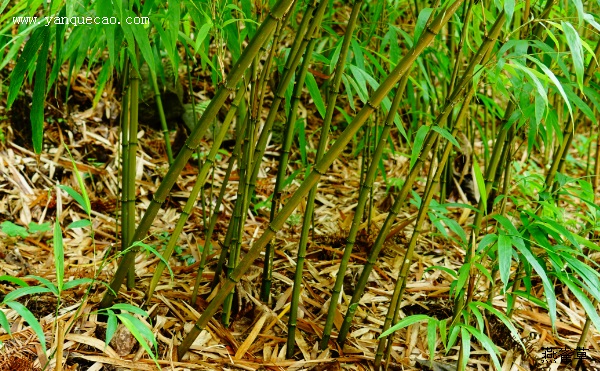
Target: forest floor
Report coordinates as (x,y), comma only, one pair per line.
(256,339)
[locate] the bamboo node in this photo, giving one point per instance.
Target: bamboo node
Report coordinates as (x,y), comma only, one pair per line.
(318,171)
(186,145)
(431,31)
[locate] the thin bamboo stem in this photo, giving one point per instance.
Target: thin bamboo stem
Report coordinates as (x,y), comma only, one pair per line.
(427,145)
(193,141)
(319,169)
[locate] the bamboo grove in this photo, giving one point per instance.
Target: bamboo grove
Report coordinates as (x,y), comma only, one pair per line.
(508,80)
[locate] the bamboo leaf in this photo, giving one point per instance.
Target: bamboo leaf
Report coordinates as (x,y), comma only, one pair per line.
(111,326)
(4,323)
(580,10)
(406,322)
(79,224)
(418,144)
(555,81)
(315,94)
(75,196)
(509,9)
(422,22)
(431,337)
(487,344)
(480,183)
(574,42)
(23,63)
(504,258)
(446,134)
(76,282)
(39,94)
(15,280)
(23,291)
(140,332)
(30,318)
(59,257)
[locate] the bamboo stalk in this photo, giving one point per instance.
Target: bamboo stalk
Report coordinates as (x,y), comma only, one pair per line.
(191,201)
(129,186)
(320,168)
(298,48)
(295,300)
(401,196)
(193,141)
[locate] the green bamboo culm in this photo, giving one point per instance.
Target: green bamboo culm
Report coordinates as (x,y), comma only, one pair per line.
(319,169)
(300,43)
(127,175)
(359,211)
(236,73)
(402,281)
(209,163)
(191,201)
(161,115)
(401,196)
(310,202)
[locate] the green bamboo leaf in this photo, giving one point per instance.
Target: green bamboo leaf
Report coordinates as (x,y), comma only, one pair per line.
(406,322)
(580,11)
(76,282)
(335,56)
(502,317)
(141,333)
(130,308)
(77,197)
(30,318)
(548,286)
(484,271)
(466,347)
(431,337)
(79,224)
(141,37)
(445,269)
(486,241)
(590,19)
(534,79)
(531,298)
(509,9)
(478,316)
(46,283)
(504,258)
(39,94)
(480,183)
(424,16)
(59,256)
(3,6)
(23,291)
(174,18)
(555,81)
(446,134)
(157,254)
(111,326)
(574,42)
(14,280)
(487,343)
(590,309)
(202,33)
(103,77)
(4,323)
(418,144)
(23,63)
(315,94)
